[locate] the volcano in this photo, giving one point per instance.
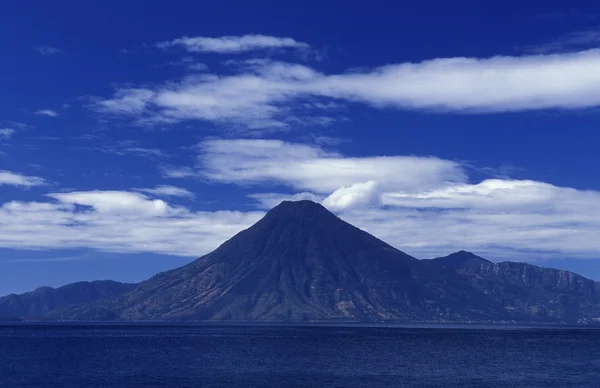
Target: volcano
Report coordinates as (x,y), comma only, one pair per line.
(302,263)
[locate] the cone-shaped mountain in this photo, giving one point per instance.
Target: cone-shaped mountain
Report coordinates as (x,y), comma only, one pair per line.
(300,262)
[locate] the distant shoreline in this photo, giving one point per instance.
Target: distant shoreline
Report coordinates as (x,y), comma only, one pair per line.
(234,324)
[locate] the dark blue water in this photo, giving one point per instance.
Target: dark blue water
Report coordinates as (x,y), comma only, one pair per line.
(228,356)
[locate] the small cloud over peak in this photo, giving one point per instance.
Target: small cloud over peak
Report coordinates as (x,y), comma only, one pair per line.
(47,50)
(353,195)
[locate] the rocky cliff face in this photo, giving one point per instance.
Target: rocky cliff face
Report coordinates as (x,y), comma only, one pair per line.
(302,263)
(525,291)
(526,275)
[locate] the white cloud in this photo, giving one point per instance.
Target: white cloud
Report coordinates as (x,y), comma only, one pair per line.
(14,179)
(504,235)
(169,191)
(131,222)
(247,161)
(248,99)
(494,194)
(189,63)
(126,102)
(353,195)
(141,151)
(177,172)
(47,50)
(197,67)
(117,221)
(123,147)
(116,202)
(232,44)
(495,84)
(494,216)
(47,112)
(269,94)
(6,133)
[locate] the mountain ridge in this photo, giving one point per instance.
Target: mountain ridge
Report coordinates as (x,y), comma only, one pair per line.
(300,263)
(45,299)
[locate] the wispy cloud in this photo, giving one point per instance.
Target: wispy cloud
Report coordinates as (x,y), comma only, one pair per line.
(18,125)
(141,151)
(328,140)
(47,50)
(197,66)
(572,42)
(272,95)
(190,64)
(47,112)
(232,44)
(177,172)
(6,133)
(300,166)
(168,191)
(47,259)
(504,171)
(573,14)
(15,179)
(123,147)
(125,102)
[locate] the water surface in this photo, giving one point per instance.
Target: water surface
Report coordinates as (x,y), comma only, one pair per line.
(297,356)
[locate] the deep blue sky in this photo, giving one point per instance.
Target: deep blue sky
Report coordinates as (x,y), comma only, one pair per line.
(136,135)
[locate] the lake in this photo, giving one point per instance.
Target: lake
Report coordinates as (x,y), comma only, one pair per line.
(297,356)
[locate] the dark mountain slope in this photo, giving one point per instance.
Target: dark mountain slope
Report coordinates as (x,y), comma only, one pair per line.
(300,262)
(46,299)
